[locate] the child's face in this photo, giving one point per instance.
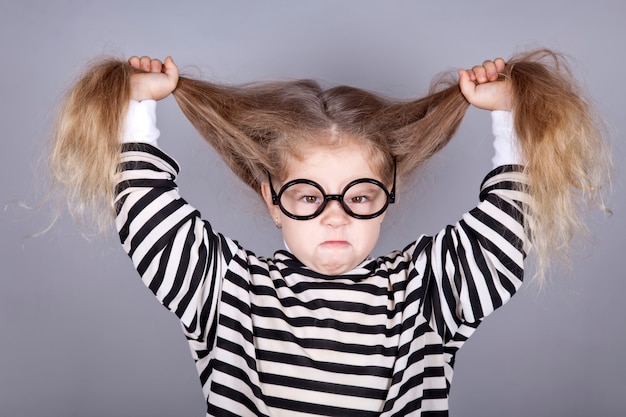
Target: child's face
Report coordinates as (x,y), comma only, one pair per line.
(333,242)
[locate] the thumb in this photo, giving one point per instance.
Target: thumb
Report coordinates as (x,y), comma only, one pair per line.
(171,70)
(468,87)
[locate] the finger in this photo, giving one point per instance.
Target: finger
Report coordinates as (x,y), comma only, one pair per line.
(480,73)
(491,72)
(144,63)
(155,65)
(470,74)
(133,61)
(500,64)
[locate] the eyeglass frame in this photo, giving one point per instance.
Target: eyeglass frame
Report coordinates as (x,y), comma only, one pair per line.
(391,196)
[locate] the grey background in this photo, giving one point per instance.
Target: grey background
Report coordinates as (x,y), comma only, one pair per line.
(81,336)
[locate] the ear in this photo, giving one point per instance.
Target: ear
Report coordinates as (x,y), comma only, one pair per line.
(273,209)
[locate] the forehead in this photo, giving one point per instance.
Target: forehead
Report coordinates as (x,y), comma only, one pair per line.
(332,165)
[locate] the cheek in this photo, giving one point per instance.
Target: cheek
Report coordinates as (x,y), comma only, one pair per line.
(297,234)
(365,236)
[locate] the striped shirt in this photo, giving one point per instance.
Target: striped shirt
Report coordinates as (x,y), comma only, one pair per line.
(271,337)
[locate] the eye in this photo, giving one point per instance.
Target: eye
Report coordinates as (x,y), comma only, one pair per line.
(359,199)
(310,199)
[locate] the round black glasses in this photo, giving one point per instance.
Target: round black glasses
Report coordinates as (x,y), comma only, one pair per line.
(364,198)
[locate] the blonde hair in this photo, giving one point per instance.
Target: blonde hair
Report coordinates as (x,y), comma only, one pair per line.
(85,147)
(253,128)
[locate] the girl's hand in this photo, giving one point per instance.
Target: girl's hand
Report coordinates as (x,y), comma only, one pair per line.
(483,87)
(154,80)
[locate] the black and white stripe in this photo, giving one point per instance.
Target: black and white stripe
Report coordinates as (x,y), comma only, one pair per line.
(273,338)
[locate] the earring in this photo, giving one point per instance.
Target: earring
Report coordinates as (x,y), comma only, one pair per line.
(277,223)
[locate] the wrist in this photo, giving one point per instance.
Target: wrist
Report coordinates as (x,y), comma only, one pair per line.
(139,92)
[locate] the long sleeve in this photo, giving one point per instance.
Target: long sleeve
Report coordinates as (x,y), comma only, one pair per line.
(477,264)
(176,253)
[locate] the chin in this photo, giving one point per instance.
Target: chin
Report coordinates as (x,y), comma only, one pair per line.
(333,269)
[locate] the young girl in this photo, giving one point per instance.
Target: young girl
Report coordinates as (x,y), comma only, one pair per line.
(322,328)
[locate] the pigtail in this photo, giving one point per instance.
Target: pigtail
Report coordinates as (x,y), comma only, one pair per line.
(253,126)
(85,147)
(238,123)
(436,118)
(567,160)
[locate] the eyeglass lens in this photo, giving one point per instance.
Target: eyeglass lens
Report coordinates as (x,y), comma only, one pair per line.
(303,199)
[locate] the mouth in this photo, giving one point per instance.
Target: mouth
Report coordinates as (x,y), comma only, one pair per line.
(335,243)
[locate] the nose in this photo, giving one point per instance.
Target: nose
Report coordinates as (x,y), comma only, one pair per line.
(334,215)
